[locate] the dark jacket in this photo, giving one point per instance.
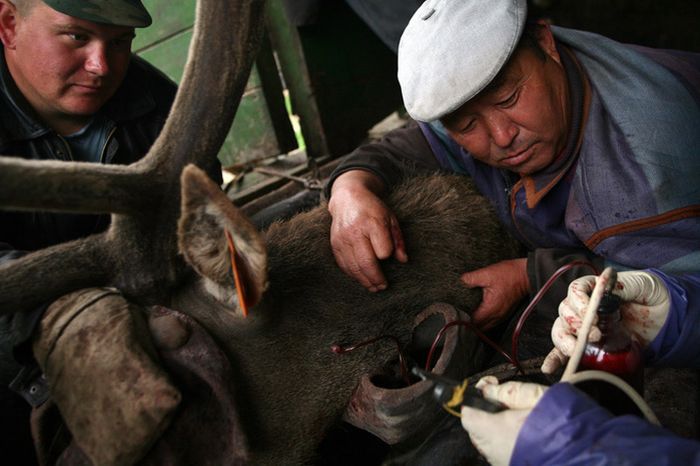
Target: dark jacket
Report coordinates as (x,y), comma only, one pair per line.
(135,115)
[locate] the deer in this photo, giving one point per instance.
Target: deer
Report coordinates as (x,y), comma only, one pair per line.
(167,245)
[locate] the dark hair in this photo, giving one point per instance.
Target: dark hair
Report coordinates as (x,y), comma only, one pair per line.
(529,38)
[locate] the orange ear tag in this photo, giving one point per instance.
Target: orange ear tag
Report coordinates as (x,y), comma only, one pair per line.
(240,290)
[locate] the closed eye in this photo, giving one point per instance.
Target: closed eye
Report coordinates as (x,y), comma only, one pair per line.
(510,100)
(468,127)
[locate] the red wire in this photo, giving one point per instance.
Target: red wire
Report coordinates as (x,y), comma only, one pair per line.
(516,332)
(478,332)
(519,326)
(337,349)
(538,297)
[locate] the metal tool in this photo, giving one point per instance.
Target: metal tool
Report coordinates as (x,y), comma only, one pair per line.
(308,183)
(452,394)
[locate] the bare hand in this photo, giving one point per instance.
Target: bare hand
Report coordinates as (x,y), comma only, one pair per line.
(363,230)
(504,284)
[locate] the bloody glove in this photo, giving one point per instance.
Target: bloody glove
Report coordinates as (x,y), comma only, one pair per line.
(646,304)
(494,435)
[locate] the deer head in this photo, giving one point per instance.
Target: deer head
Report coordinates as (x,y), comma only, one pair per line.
(304,305)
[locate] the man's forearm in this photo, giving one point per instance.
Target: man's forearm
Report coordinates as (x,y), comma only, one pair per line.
(401,152)
(567,427)
(676,344)
(359,179)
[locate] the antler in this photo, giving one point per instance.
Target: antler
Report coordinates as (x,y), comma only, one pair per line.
(138,254)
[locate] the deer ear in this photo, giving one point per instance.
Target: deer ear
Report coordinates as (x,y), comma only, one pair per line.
(206,216)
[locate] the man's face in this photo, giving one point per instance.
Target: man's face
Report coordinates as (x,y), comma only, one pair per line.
(520,124)
(66,67)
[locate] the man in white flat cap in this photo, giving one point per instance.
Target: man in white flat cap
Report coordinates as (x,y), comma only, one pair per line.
(587,148)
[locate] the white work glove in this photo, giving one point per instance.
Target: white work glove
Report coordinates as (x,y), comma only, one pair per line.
(495,434)
(644,308)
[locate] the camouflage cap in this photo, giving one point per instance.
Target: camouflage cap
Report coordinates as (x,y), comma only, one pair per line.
(117,12)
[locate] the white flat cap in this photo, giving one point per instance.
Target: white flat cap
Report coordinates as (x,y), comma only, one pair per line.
(452,49)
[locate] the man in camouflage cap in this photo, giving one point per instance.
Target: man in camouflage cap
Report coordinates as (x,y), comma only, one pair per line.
(70,90)
(69,57)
